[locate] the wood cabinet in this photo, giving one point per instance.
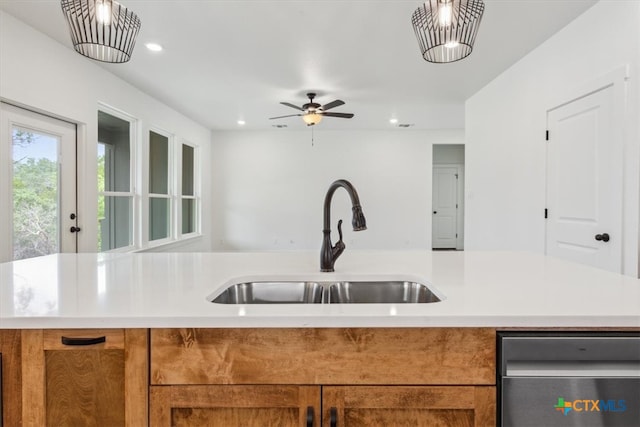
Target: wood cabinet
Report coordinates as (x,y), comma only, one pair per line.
(235,405)
(324,356)
(372,377)
(84,377)
(347,406)
(11,377)
(416,406)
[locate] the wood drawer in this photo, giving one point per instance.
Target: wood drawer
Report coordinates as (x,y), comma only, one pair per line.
(357,356)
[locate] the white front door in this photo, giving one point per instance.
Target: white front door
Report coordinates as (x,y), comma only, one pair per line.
(444,219)
(37,184)
(584,182)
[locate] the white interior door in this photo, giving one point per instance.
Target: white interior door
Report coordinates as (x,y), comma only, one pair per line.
(584,182)
(37,185)
(444,219)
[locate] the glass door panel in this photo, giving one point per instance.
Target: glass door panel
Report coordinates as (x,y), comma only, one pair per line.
(36,199)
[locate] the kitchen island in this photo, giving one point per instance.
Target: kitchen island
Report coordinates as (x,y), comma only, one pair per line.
(495,289)
(160,353)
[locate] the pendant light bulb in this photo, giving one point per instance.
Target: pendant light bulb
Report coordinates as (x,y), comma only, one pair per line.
(445,13)
(103,12)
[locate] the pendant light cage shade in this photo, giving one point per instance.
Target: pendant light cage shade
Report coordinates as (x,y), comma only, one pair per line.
(103,30)
(446,29)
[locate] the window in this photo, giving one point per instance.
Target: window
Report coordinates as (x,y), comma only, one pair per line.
(146,196)
(115,189)
(173,199)
(189,201)
(159,186)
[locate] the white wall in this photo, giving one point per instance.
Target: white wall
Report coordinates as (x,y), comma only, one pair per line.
(269,187)
(505,124)
(44,75)
(448,154)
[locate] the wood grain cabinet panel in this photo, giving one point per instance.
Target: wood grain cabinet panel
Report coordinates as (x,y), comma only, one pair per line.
(234,406)
(358,356)
(103,384)
(450,406)
(10,349)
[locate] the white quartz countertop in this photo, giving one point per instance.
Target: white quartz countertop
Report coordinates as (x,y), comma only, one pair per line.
(494,289)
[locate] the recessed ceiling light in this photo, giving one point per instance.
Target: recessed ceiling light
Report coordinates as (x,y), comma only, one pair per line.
(241,122)
(154,47)
(393,121)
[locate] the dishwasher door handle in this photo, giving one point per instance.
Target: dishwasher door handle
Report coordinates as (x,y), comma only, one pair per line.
(629,369)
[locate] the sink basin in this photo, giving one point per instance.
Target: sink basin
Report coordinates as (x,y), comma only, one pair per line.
(284,292)
(327,292)
(379,292)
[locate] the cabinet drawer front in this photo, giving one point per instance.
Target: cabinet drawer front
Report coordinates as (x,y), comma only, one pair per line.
(358,356)
(113,339)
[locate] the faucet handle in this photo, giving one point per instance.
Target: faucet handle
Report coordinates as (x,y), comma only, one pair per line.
(339,247)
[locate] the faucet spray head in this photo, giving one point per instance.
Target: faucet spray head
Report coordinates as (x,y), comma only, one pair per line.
(359,222)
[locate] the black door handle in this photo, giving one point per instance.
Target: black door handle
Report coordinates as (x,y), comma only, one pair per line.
(435,212)
(602,237)
(74,229)
(333,417)
(309,416)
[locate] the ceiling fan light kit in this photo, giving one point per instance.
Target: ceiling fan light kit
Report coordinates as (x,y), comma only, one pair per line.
(446,29)
(312,112)
(103,30)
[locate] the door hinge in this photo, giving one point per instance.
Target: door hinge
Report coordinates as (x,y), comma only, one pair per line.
(456,235)
(456,206)
(546,213)
(547,136)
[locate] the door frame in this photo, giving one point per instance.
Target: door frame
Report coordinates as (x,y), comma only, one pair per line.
(459,200)
(5,187)
(616,79)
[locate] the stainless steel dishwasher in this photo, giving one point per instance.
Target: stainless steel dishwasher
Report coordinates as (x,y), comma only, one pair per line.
(569,379)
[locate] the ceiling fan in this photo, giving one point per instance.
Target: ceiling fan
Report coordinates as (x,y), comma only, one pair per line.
(313,112)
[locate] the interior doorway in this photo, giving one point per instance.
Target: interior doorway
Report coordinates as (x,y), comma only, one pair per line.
(447,218)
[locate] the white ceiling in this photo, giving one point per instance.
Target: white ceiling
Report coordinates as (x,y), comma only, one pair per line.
(230,60)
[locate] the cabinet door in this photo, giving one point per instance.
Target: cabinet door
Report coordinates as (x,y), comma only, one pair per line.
(11,378)
(449,406)
(84,377)
(232,405)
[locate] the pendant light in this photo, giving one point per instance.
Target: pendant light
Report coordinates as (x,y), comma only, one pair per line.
(446,29)
(103,30)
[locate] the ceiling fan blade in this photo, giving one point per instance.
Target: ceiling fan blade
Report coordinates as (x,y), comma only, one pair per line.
(282,117)
(340,115)
(288,104)
(333,104)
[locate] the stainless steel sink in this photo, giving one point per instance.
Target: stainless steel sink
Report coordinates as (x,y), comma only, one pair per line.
(272,293)
(330,292)
(377,292)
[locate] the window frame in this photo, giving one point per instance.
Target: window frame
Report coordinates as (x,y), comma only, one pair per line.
(133,177)
(170,196)
(196,197)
